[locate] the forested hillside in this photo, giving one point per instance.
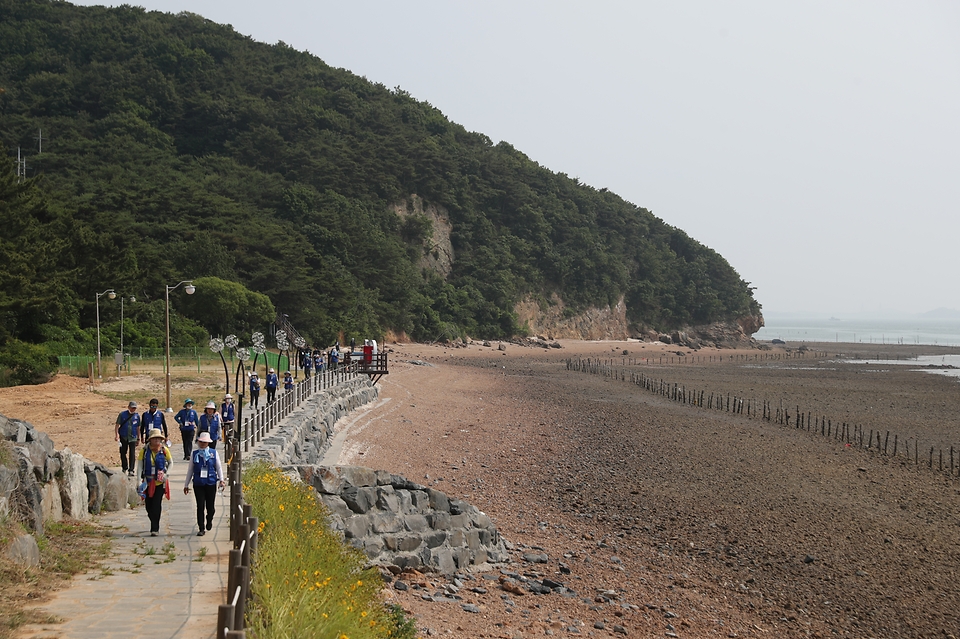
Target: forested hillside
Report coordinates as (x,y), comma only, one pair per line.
(175,148)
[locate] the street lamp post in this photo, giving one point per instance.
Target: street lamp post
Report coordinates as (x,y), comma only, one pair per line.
(189,289)
(110,295)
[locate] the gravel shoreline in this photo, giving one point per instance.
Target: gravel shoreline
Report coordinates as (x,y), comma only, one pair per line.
(667,519)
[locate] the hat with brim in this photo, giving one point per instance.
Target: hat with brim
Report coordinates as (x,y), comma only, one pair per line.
(155,433)
(205,437)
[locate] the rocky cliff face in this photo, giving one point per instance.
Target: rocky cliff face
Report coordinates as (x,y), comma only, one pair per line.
(555,322)
(438,254)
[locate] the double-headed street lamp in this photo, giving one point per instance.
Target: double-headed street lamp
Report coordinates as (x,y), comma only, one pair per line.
(110,295)
(189,289)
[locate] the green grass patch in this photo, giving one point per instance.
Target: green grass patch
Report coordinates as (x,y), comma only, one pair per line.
(307,582)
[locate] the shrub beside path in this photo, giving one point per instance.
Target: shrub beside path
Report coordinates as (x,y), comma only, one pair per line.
(150,587)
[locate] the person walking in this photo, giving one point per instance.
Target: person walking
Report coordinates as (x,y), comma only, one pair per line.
(254,391)
(271,383)
(287,381)
(188,419)
(229,414)
(211,423)
(306,364)
(155,461)
(153,418)
(127,432)
(206,473)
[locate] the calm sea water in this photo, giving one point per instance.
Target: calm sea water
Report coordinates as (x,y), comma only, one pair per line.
(904,331)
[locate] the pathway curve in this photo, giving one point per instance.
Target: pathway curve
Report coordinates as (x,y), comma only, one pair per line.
(149,587)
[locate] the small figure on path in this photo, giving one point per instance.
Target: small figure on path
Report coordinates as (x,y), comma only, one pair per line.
(153,418)
(287,381)
(254,390)
(127,432)
(271,383)
(334,358)
(229,414)
(188,419)
(211,423)
(307,363)
(155,460)
(206,473)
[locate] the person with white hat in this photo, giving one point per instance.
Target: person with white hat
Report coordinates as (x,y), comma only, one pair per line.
(155,461)
(228,412)
(271,383)
(212,423)
(206,473)
(127,432)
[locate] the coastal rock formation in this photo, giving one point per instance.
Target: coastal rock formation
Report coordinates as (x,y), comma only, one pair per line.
(556,322)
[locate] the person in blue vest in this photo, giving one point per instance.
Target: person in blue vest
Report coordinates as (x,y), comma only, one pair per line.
(212,423)
(188,419)
(153,418)
(206,473)
(127,432)
(271,383)
(307,363)
(155,462)
(334,358)
(318,361)
(229,414)
(287,381)
(254,391)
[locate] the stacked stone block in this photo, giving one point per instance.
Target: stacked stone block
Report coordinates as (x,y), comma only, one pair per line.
(399,523)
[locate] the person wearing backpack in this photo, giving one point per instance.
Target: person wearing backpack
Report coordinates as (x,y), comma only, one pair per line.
(212,423)
(206,473)
(127,432)
(155,461)
(187,418)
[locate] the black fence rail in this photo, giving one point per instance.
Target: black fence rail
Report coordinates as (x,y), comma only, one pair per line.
(876,440)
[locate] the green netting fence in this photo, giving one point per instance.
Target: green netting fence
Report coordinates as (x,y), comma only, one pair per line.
(153,359)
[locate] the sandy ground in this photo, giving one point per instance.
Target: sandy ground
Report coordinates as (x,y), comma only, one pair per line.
(665,519)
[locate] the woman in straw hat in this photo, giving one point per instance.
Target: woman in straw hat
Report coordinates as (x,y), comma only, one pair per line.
(154,463)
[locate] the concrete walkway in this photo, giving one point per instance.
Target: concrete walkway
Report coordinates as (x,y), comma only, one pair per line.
(150,587)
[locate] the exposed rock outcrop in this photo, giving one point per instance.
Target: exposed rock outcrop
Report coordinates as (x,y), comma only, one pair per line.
(555,322)
(43,484)
(438,252)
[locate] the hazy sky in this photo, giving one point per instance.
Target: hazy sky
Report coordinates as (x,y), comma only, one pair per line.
(815,145)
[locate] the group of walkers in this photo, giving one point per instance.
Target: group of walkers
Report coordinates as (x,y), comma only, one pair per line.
(205,474)
(318,361)
(153,463)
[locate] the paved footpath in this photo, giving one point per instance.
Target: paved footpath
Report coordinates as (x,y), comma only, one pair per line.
(150,587)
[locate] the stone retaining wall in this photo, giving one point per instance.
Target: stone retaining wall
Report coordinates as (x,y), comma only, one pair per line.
(400,524)
(304,435)
(394,521)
